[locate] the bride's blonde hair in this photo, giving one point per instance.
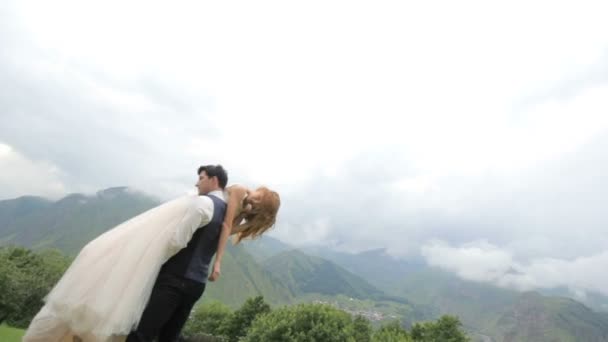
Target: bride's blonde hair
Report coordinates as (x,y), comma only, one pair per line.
(262,216)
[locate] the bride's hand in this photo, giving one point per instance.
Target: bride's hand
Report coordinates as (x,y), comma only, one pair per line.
(215,274)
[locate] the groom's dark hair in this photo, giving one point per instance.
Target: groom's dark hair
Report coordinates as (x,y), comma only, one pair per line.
(215,171)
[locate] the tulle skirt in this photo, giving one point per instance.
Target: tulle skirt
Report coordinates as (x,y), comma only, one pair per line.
(103,293)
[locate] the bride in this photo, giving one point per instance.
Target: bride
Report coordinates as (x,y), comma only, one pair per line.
(103,293)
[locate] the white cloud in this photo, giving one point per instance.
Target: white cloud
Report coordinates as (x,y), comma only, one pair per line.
(381,124)
(21,175)
(480,261)
(303,234)
(315,83)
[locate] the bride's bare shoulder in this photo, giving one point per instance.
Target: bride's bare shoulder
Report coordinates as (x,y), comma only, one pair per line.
(237,191)
(236,188)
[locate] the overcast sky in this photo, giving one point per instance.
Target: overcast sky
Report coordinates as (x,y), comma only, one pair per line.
(471,133)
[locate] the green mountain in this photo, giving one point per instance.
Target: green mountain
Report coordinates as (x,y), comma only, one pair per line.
(376,266)
(491,313)
(15,209)
(242,277)
(596,301)
(69,223)
(302,273)
(533,317)
(486,311)
(265,247)
(476,304)
(371,282)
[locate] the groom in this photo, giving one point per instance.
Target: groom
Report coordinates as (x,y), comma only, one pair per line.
(181,280)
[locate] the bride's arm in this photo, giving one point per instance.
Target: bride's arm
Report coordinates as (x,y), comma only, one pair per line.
(236,195)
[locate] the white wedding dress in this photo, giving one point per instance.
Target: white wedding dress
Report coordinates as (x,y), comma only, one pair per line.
(103,293)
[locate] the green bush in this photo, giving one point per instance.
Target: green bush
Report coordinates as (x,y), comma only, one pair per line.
(25,279)
(304,322)
(208,319)
(391,332)
(445,329)
(362,329)
(241,320)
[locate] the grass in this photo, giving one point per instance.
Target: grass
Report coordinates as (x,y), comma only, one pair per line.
(8,334)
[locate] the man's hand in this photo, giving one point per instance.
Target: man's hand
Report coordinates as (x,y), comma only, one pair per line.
(215,274)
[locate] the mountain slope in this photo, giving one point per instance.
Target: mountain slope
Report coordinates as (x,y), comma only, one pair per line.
(533,317)
(265,247)
(242,277)
(595,300)
(302,273)
(15,209)
(376,266)
(491,313)
(68,224)
(504,315)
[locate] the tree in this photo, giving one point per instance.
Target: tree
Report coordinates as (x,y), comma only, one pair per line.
(362,329)
(391,332)
(211,319)
(22,296)
(242,318)
(26,278)
(8,302)
(304,322)
(446,328)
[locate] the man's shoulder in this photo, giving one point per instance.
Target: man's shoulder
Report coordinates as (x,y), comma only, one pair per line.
(202,201)
(208,201)
(220,195)
(217,201)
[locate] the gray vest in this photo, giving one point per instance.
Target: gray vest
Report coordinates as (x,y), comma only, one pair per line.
(193,261)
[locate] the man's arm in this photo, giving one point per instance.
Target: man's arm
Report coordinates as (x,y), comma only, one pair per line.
(197,213)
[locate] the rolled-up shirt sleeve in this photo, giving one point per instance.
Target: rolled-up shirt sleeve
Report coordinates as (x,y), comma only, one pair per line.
(198,213)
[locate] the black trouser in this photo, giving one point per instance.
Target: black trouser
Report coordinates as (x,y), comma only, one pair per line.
(168,309)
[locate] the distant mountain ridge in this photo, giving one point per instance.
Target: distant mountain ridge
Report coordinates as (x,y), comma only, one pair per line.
(283,275)
(533,317)
(70,222)
(376,265)
(302,273)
